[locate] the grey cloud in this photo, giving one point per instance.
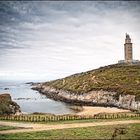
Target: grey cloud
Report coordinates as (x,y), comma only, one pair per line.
(64,37)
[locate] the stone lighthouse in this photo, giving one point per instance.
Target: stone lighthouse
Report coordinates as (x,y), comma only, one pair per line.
(128,52)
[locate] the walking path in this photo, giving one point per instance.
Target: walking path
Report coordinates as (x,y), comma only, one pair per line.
(31,127)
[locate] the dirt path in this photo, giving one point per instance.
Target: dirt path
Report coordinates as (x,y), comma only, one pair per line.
(30,127)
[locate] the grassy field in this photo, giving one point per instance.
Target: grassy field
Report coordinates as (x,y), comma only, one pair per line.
(7,128)
(123,79)
(130,131)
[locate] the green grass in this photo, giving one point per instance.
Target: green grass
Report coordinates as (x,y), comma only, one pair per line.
(7,127)
(123,79)
(98,132)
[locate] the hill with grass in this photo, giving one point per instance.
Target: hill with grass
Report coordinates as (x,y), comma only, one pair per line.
(117,79)
(124,79)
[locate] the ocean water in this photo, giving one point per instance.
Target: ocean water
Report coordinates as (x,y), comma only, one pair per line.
(32,101)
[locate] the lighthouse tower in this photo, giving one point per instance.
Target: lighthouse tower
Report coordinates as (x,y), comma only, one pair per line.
(128,52)
(128,49)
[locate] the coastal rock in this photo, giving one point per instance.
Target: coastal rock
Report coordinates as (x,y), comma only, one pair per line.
(25,99)
(7,106)
(99,98)
(6,88)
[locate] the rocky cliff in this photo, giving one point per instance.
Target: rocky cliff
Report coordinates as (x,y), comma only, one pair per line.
(97,98)
(7,106)
(114,85)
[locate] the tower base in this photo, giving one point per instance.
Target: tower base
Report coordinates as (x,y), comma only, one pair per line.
(129,61)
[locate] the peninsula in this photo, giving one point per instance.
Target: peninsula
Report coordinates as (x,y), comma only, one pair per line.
(116,85)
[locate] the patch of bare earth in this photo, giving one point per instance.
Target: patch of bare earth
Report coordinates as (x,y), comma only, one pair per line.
(89,110)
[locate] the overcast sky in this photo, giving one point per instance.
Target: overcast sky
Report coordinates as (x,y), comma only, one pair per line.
(49,40)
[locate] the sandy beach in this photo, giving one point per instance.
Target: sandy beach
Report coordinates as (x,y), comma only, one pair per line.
(89,110)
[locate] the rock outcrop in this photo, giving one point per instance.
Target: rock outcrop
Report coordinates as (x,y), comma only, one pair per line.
(98,98)
(7,106)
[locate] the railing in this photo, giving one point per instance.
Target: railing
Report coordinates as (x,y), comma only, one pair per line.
(49,118)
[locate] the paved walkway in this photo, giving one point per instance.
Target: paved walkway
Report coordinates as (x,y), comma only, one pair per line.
(31,127)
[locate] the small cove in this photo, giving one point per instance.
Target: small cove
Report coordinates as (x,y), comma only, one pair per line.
(32,101)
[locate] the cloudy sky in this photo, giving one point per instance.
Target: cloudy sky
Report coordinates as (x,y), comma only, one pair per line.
(49,40)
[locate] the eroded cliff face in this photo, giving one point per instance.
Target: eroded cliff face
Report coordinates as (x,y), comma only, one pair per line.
(99,98)
(7,106)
